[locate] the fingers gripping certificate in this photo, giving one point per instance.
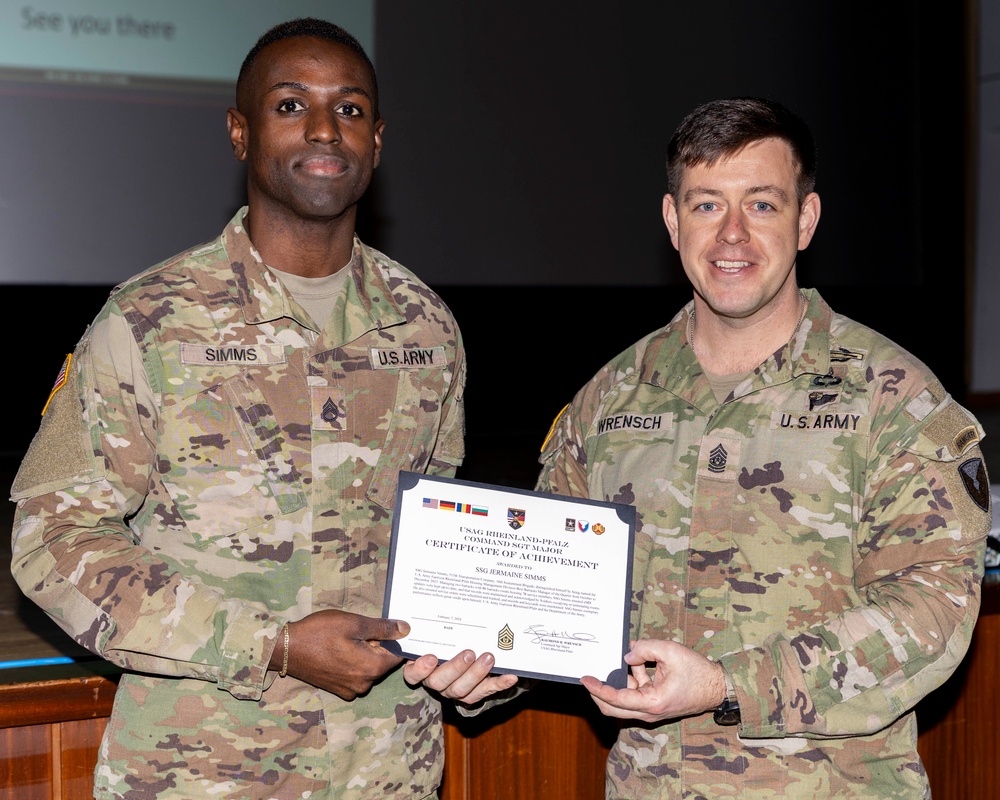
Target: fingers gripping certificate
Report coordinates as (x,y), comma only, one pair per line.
(541,581)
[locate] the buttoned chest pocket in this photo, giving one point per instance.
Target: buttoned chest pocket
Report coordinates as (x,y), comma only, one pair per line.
(648,473)
(224,460)
(387,420)
(794,501)
(812,459)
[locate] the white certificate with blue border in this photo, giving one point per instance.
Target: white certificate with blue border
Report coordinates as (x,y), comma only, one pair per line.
(541,581)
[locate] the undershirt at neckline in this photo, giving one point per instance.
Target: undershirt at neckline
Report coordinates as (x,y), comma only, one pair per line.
(317,296)
(723,385)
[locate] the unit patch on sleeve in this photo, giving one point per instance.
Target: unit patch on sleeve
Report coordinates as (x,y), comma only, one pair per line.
(973,474)
(407,357)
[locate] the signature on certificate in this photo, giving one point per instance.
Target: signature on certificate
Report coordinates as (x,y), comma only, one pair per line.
(541,632)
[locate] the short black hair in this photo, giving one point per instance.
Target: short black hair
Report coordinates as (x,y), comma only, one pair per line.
(722,128)
(304,26)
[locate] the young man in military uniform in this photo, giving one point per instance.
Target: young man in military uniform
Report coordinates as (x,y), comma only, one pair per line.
(812,504)
(209,499)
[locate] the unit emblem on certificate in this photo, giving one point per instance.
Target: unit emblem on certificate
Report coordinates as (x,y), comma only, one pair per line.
(515,517)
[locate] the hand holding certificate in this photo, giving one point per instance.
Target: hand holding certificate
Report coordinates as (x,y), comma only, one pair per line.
(541,581)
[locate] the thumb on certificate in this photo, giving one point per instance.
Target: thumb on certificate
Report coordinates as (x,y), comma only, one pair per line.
(398,628)
(375,629)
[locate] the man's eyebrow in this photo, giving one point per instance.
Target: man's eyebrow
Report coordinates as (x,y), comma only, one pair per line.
(700,191)
(301,87)
(768,188)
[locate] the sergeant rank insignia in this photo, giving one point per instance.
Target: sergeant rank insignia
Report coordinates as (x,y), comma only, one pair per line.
(505,638)
(717,459)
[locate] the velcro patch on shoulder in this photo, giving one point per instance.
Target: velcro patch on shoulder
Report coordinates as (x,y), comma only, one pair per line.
(60,450)
(922,405)
(954,428)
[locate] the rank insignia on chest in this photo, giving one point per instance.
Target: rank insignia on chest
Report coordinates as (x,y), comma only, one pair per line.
(719,458)
(328,411)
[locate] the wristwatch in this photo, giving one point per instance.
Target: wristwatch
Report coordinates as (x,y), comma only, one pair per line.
(728,713)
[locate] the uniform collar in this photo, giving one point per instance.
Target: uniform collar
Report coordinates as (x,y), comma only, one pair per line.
(670,363)
(264,299)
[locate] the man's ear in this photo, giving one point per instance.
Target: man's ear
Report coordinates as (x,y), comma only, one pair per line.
(379,127)
(670,218)
(808,219)
(238,131)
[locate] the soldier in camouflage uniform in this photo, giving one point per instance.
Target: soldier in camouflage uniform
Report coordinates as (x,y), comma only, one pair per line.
(209,499)
(812,504)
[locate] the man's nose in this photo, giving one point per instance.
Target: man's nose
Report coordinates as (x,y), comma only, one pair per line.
(733,229)
(323,126)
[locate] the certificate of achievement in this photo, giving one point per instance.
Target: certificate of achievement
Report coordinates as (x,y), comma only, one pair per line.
(541,581)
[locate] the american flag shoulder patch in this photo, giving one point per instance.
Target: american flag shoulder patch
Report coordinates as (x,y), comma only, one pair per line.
(61,379)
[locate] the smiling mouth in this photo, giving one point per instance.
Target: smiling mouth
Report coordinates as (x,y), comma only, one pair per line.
(324,166)
(731,266)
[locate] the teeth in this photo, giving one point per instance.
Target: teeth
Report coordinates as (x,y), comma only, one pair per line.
(731,264)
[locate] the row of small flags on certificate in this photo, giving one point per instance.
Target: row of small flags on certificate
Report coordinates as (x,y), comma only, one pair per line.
(462,508)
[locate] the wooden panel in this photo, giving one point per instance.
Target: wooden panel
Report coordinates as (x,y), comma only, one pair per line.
(457,766)
(959,733)
(26,763)
(79,743)
(551,743)
(56,701)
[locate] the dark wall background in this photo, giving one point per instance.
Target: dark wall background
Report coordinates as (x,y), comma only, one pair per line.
(523,174)
(526,140)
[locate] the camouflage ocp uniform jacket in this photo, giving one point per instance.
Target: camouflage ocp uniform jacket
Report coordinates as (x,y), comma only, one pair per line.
(820,534)
(236,471)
